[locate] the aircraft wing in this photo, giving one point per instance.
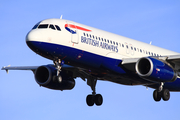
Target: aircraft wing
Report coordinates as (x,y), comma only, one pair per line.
(174,60)
(7,68)
(77,72)
(33,68)
(129,63)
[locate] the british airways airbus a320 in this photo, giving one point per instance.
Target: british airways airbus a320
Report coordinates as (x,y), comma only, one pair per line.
(81,51)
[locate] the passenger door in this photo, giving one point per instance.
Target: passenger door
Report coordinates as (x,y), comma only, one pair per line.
(74,32)
(75,37)
(131,49)
(127,48)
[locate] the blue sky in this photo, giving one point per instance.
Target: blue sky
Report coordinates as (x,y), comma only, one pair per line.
(21,98)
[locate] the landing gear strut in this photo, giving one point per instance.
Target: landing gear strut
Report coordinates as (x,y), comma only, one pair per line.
(58,63)
(93,98)
(161,93)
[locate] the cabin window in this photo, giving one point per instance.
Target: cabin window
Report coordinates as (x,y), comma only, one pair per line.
(108,41)
(122,45)
(116,43)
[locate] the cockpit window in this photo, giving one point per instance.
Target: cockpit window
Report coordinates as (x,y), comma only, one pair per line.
(43,26)
(52,27)
(58,28)
(46,26)
(36,25)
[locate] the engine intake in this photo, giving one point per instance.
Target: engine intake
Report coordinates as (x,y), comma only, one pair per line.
(43,75)
(46,76)
(155,70)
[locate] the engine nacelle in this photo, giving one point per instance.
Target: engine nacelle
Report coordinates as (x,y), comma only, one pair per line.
(46,76)
(155,70)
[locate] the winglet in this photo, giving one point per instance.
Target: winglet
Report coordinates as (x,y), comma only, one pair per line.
(7,71)
(4,68)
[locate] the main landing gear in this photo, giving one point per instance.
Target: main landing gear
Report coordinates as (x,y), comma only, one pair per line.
(90,99)
(93,98)
(161,93)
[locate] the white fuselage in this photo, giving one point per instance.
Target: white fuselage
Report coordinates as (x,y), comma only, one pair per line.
(95,41)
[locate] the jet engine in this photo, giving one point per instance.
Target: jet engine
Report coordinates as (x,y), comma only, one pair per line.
(155,70)
(46,76)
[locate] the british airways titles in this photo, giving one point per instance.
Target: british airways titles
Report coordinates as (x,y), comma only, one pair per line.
(100,44)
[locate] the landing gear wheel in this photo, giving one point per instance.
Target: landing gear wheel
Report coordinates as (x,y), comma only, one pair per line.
(98,99)
(156,95)
(90,100)
(165,94)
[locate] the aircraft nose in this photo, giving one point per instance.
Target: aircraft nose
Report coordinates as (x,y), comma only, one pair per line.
(32,36)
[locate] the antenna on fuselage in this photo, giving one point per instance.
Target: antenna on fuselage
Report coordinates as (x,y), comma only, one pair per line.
(150,43)
(61,16)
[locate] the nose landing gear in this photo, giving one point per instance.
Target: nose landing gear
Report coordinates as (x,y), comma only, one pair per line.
(58,63)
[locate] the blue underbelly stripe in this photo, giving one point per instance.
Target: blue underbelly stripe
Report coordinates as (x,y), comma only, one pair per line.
(76,56)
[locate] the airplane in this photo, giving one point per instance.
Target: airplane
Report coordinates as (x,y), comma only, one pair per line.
(92,54)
